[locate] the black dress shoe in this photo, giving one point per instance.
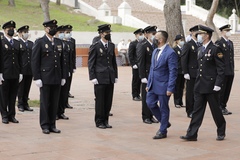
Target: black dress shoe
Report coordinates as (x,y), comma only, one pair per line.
(101,126)
(62,116)
(160,136)
(45,131)
(21,109)
(57,117)
(55,130)
(189,115)
(169,125)
(220,138)
(69,107)
(13,120)
(5,121)
(147,121)
(225,111)
(136,99)
(107,125)
(178,106)
(110,114)
(187,138)
(153,120)
(70,96)
(27,108)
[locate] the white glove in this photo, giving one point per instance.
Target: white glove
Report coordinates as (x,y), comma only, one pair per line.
(217,88)
(0,82)
(144,80)
(94,81)
(116,80)
(38,83)
(74,70)
(135,66)
(1,77)
(69,74)
(20,78)
(63,82)
(187,76)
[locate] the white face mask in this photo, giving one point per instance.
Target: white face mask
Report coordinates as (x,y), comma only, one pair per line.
(181,43)
(61,36)
(68,35)
(25,36)
(140,38)
(152,38)
(228,34)
(199,38)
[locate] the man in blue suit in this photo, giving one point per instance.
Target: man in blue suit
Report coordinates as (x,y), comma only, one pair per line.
(161,82)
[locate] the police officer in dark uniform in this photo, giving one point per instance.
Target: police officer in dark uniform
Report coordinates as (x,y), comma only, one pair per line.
(97,38)
(210,75)
(72,57)
(48,74)
(11,73)
(25,85)
(103,74)
(189,67)
(145,50)
(136,81)
(227,49)
(179,42)
(66,64)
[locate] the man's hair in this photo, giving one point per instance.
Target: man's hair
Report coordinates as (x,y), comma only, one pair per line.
(164,35)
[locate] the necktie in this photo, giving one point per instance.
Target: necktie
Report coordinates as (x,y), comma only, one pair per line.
(203,48)
(198,44)
(153,46)
(26,44)
(11,42)
(156,55)
(106,47)
(228,44)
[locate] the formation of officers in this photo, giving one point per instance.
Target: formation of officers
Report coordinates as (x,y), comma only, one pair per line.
(206,68)
(50,62)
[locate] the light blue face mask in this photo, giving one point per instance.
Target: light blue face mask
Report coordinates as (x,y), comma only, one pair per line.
(199,38)
(68,35)
(140,38)
(181,43)
(61,36)
(152,38)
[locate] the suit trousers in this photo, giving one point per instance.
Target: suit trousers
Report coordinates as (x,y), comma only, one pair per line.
(63,97)
(23,91)
(9,93)
(161,112)
(199,110)
(190,95)
(225,90)
(179,90)
(103,102)
(146,113)
(136,83)
(49,98)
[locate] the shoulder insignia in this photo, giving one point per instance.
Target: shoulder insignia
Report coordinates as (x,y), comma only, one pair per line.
(220,55)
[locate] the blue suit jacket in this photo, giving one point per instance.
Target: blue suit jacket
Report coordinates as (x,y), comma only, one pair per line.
(163,72)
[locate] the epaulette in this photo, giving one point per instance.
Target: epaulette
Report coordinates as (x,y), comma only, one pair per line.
(39,38)
(1,35)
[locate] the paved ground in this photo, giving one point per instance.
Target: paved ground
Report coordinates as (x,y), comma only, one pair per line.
(128,139)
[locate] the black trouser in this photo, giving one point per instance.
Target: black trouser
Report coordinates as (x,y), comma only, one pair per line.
(23,91)
(190,95)
(136,83)
(199,110)
(179,90)
(9,93)
(103,102)
(225,90)
(49,98)
(63,97)
(69,82)
(146,113)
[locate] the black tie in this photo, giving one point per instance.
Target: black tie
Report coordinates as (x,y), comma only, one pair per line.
(26,44)
(11,42)
(106,47)
(203,48)
(198,44)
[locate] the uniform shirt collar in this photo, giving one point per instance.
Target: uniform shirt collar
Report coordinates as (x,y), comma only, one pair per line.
(51,40)
(104,43)
(205,45)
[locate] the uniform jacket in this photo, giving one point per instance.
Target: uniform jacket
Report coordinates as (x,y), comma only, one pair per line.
(67,61)
(132,52)
(163,72)
(102,63)
(189,58)
(228,55)
(144,51)
(210,72)
(26,57)
(73,54)
(1,65)
(11,60)
(178,51)
(47,61)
